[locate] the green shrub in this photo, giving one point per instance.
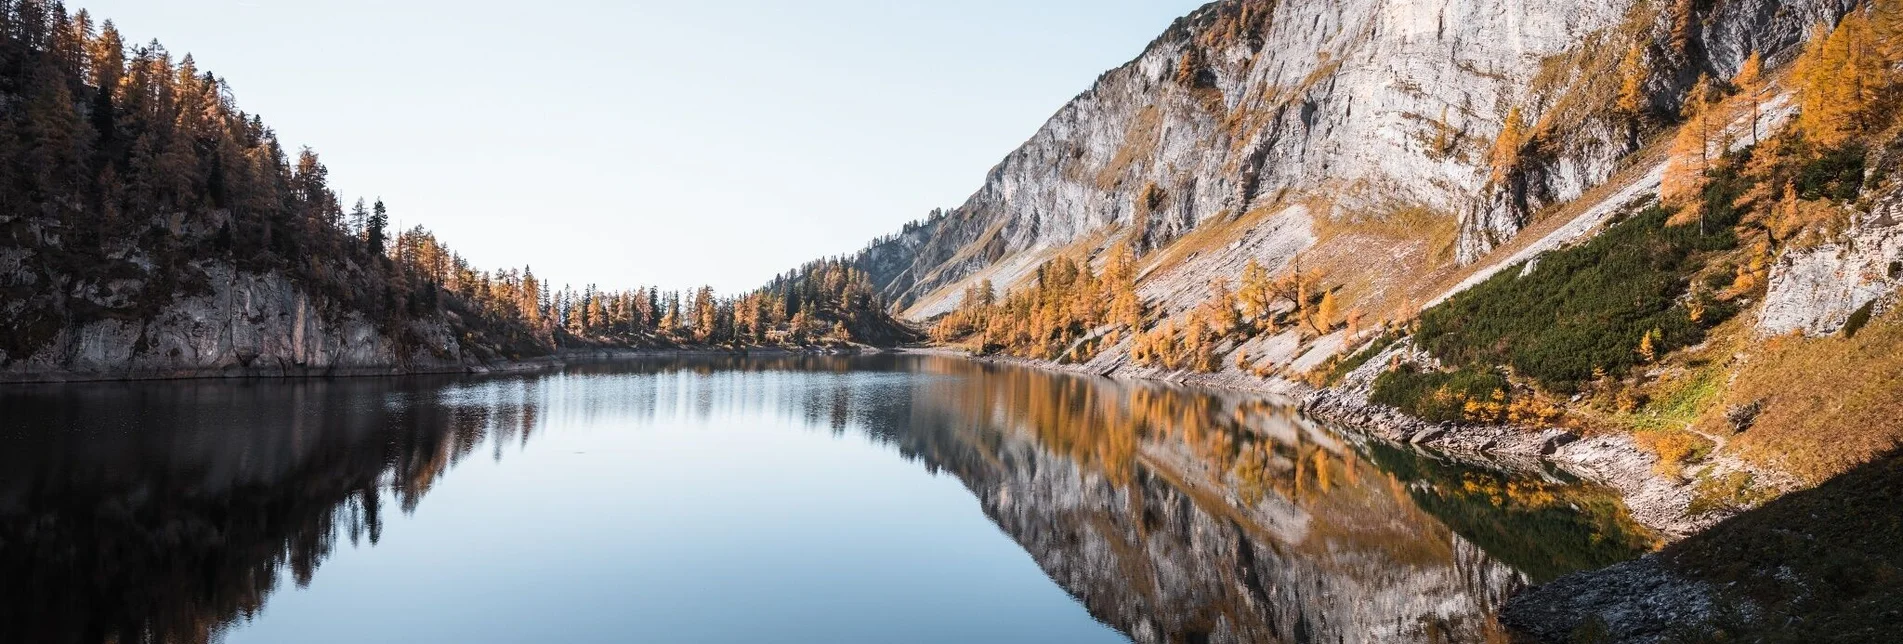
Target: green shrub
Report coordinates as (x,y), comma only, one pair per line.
(1589,307)
(1835,174)
(1859,319)
(1439,396)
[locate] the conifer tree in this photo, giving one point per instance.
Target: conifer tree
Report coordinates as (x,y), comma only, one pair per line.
(1886,17)
(1687,170)
(1684,26)
(1840,76)
(1633,74)
(1750,84)
(1506,148)
(359,219)
(376,228)
(1323,321)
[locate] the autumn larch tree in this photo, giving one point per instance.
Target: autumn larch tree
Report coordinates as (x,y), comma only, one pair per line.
(1687,170)
(1506,148)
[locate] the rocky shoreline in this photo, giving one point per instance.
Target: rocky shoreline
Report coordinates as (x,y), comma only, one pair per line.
(1660,503)
(261,371)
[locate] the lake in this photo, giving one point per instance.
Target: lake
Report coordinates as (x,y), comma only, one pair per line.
(885,498)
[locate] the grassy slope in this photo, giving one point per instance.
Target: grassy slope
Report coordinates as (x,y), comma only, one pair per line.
(1829,403)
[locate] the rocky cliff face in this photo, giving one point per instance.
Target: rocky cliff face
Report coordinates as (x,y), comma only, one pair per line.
(1361,108)
(1817,290)
(244,324)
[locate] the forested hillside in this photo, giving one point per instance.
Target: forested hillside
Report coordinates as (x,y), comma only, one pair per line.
(148,226)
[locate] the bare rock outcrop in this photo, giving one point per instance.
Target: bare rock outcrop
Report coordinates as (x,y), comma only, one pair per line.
(1817,290)
(248,324)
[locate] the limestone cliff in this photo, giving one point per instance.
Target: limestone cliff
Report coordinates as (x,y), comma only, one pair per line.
(244,324)
(1817,290)
(1353,110)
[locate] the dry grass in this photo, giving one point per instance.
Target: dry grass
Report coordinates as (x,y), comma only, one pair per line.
(1209,236)
(1830,404)
(1675,448)
(1416,245)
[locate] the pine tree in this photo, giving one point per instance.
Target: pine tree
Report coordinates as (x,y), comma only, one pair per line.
(376,229)
(359,220)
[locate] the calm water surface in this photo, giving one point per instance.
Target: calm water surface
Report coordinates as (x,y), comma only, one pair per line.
(873,499)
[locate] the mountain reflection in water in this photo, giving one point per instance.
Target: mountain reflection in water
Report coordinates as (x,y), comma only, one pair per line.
(173,511)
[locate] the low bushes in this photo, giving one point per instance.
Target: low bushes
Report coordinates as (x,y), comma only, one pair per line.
(1588,310)
(1454,396)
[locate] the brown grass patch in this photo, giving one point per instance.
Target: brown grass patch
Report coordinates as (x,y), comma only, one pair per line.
(1415,246)
(1209,236)
(1830,404)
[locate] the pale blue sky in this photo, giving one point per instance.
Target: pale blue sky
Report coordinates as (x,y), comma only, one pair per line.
(643,142)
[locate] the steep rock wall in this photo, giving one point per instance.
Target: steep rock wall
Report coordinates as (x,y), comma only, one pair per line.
(247,325)
(1363,106)
(1817,290)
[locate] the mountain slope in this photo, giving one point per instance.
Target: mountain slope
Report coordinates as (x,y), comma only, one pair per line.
(1601,216)
(1360,111)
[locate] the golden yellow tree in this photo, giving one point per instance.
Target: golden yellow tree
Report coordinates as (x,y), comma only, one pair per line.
(1886,17)
(1750,84)
(1686,171)
(1220,310)
(1323,319)
(1633,73)
(1119,278)
(1506,148)
(1255,294)
(1839,77)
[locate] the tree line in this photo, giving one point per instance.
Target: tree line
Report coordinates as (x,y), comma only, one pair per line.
(124,168)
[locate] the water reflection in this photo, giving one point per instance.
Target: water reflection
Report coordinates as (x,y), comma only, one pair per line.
(171,511)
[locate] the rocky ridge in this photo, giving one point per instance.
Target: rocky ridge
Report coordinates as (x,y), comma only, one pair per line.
(1358,107)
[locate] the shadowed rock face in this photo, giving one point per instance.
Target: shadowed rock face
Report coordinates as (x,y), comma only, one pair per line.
(1820,565)
(170,511)
(1366,105)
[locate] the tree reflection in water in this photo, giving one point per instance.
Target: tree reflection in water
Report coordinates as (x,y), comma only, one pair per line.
(170,511)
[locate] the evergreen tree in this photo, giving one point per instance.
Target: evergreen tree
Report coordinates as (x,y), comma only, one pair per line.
(375,228)
(359,220)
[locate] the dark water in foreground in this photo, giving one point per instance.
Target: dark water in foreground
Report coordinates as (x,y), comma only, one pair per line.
(875,499)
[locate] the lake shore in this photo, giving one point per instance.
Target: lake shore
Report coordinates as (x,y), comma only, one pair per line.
(261,371)
(1658,502)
